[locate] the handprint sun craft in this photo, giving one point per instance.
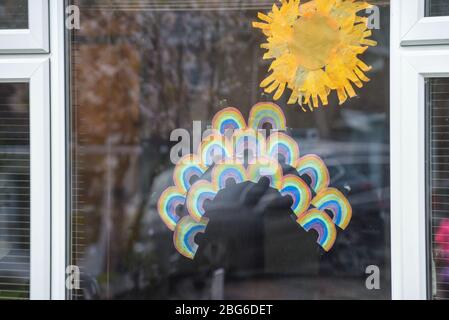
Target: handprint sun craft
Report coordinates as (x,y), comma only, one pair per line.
(198,178)
(315,49)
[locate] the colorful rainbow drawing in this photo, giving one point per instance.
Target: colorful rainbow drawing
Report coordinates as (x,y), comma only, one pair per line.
(267,113)
(167,204)
(266,167)
(280,144)
(200,192)
(228,119)
(322,224)
(214,149)
(334,201)
(221,173)
(248,140)
(313,167)
(184,236)
(298,190)
(188,167)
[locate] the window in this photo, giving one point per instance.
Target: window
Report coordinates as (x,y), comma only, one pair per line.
(139,78)
(437,8)
(24,26)
(438,162)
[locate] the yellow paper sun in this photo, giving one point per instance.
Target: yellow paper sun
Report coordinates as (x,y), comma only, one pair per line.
(315,47)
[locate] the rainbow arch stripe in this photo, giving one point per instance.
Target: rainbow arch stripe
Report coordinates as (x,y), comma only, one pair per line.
(221,173)
(228,119)
(298,190)
(248,140)
(184,236)
(188,167)
(200,192)
(266,167)
(313,166)
(334,201)
(214,149)
(267,113)
(281,144)
(167,204)
(319,221)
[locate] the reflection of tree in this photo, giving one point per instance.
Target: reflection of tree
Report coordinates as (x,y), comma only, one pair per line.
(137,76)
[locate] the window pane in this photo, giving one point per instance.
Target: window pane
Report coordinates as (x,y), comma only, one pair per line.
(436,8)
(14,192)
(13,14)
(438,179)
(158,66)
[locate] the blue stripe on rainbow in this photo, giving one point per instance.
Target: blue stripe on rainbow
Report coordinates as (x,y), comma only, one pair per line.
(298,190)
(248,140)
(184,236)
(167,204)
(313,166)
(334,201)
(266,167)
(214,149)
(319,221)
(188,167)
(200,191)
(280,144)
(228,119)
(222,172)
(267,113)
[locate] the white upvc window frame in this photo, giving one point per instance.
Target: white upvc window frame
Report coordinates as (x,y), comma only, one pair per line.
(417,53)
(417,29)
(35,39)
(35,72)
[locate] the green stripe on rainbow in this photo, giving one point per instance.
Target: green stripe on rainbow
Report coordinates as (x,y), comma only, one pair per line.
(298,190)
(184,236)
(200,192)
(215,148)
(280,144)
(188,167)
(266,167)
(228,119)
(221,174)
(319,221)
(334,201)
(167,204)
(313,167)
(265,113)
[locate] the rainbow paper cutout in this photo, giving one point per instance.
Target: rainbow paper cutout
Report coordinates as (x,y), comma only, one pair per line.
(214,149)
(189,166)
(200,192)
(279,144)
(266,167)
(298,190)
(248,140)
(221,173)
(184,236)
(226,152)
(313,166)
(167,204)
(228,119)
(334,201)
(267,113)
(319,221)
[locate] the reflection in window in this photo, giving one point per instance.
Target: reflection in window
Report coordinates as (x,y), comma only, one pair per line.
(437,8)
(163,65)
(438,180)
(14,14)
(14,192)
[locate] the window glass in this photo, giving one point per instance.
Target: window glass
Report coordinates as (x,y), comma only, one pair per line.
(438,178)
(155,67)
(436,8)
(14,192)
(14,14)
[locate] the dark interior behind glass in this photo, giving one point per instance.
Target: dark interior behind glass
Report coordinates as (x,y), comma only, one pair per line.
(137,73)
